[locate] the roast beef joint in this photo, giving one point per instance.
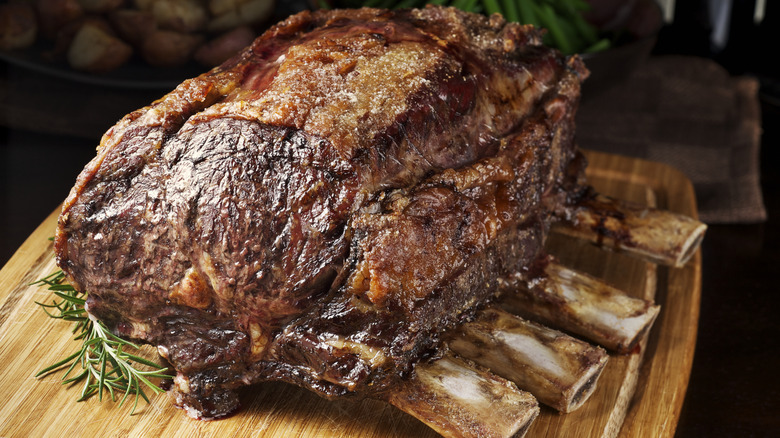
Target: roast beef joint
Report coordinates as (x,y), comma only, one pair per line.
(352,205)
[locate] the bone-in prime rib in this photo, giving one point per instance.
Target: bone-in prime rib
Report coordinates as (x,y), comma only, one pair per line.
(323,207)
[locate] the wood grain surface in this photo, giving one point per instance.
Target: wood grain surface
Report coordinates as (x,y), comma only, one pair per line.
(638,395)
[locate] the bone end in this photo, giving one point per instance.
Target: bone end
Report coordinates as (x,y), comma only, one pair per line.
(583,305)
(581,390)
(691,244)
(455,398)
(559,370)
(658,236)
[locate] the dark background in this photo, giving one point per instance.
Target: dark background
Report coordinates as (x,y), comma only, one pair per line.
(734,388)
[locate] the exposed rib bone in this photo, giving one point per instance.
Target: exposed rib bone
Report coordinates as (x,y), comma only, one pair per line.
(457,399)
(656,235)
(560,371)
(580,304)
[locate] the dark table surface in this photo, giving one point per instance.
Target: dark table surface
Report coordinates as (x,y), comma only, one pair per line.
(734,390)
(734,387)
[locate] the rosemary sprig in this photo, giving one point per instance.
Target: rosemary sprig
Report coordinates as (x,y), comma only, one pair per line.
(102,363)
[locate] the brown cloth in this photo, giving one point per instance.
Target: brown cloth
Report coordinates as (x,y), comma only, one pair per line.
(689,113)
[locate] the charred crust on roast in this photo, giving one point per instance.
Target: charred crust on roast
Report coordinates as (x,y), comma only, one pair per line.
(251,223)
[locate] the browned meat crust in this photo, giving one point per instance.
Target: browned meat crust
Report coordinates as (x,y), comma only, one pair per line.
(321,207)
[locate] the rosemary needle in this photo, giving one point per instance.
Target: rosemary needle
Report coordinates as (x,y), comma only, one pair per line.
(102,363)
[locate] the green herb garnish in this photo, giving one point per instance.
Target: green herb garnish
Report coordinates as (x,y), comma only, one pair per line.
(567,29)
(102,363)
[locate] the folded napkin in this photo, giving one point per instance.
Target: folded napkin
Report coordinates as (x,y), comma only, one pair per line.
(687,112)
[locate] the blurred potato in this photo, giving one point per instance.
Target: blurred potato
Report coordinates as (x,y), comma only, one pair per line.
(67,32)
(95,50)
(54,14)
(163,33)
(18,26)
(246,13)
(100,6)
(223,47)
(219,7)
(168,48)
(228,20)
(132,25)
(256,11)
(144,5)
(180,15)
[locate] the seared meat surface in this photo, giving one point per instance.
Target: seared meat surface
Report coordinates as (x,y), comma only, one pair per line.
(322,207)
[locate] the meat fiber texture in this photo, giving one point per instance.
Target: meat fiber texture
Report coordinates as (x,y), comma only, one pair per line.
(322,207)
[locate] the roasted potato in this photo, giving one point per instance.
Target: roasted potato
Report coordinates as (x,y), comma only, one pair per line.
(168,48)
(219,7)
(245,13)
(180,15)
(132,25)
(95,50)
(143,5)
(54,14)
(162,32)
(68,31)
(18,26)
(100,6)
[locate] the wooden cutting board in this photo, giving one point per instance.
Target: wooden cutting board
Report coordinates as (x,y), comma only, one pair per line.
(638,395)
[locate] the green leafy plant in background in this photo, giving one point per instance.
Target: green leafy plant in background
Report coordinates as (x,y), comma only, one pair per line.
(567,30)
